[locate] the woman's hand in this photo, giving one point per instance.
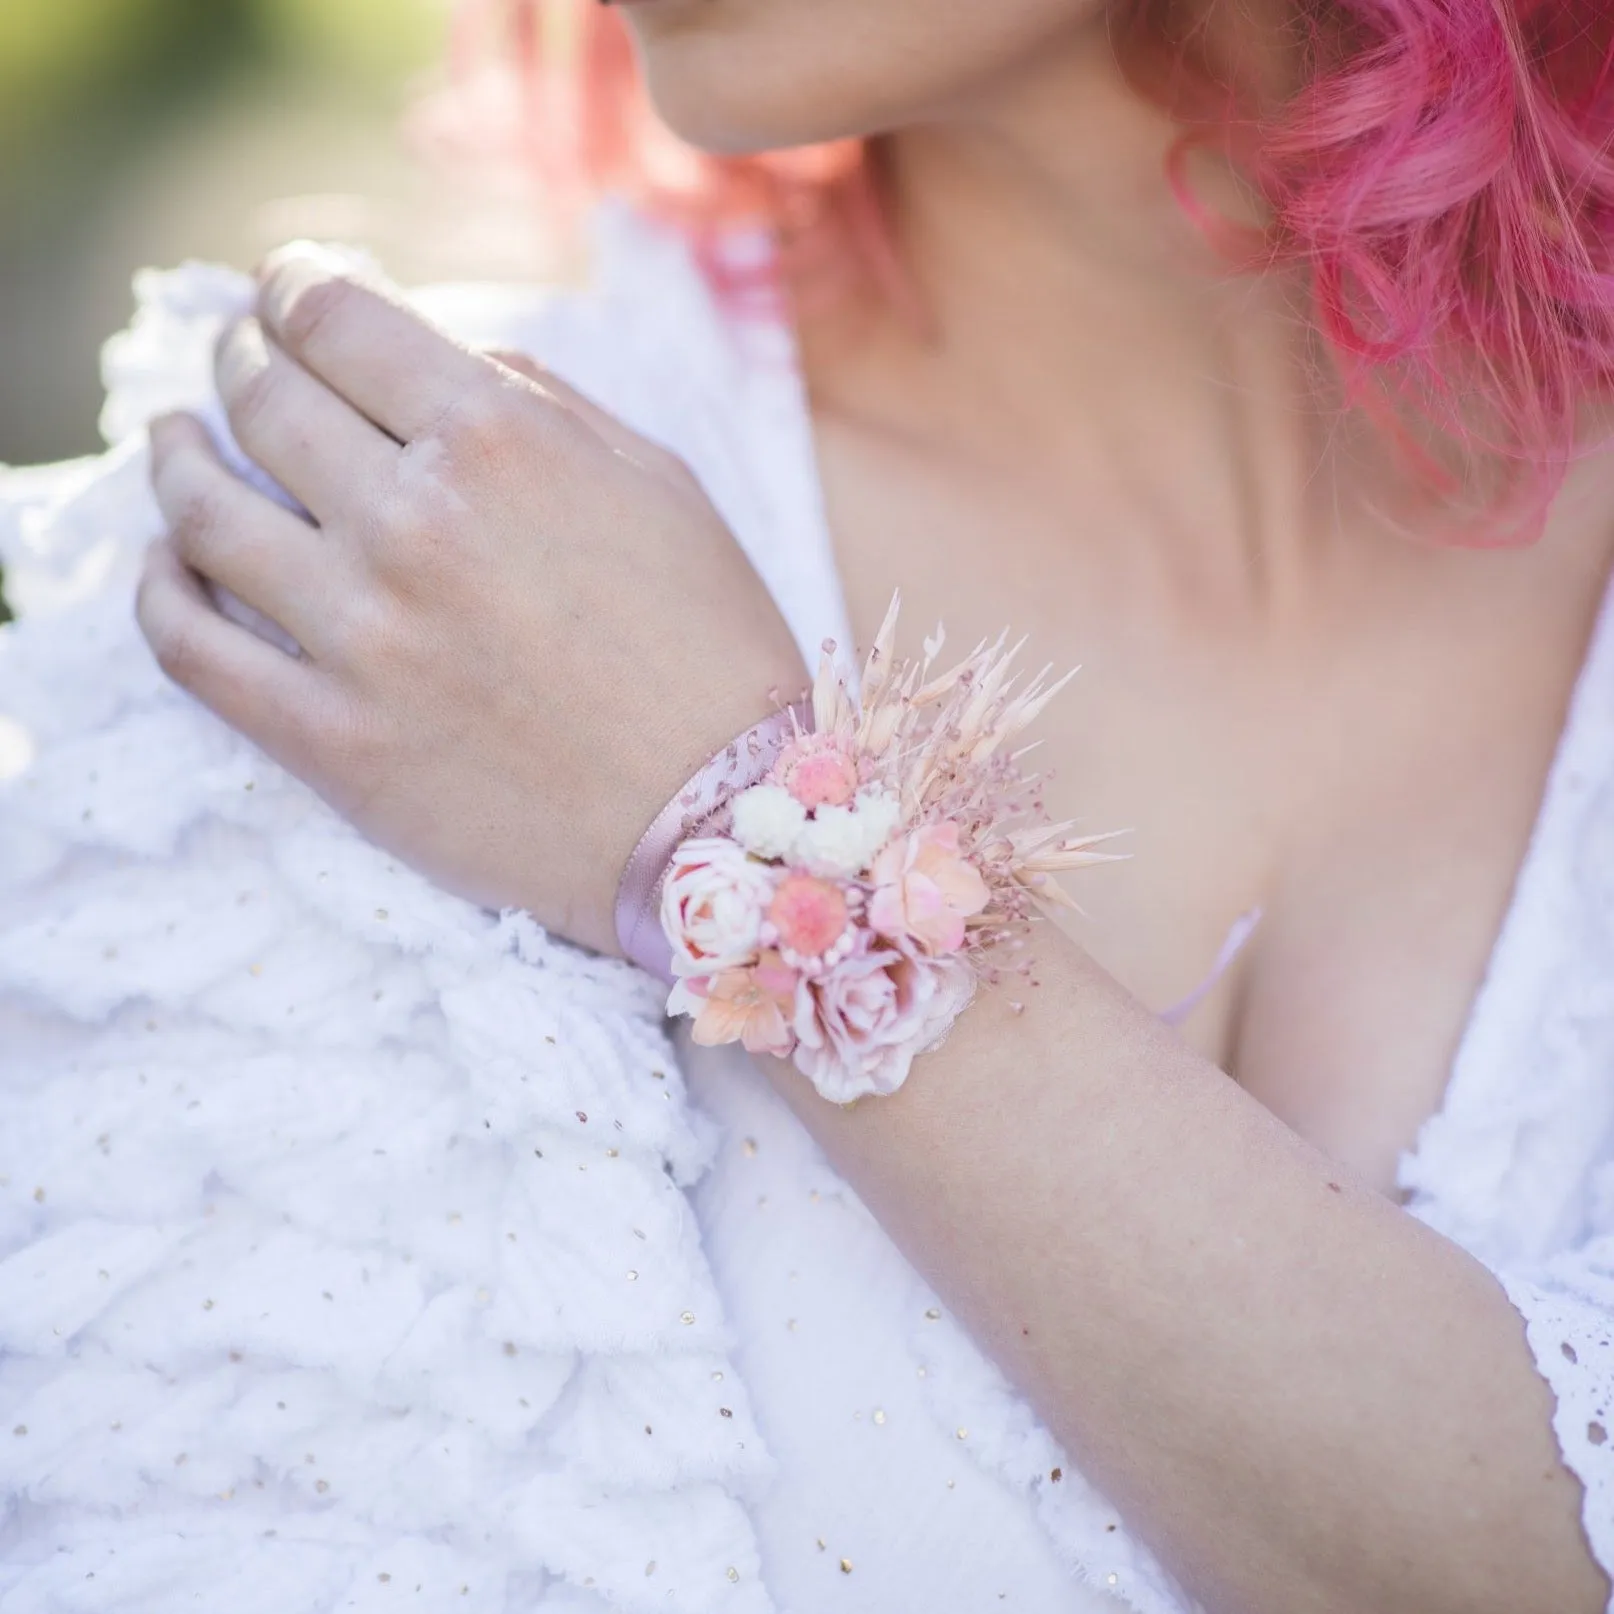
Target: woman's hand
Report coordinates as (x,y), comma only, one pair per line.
(522,626)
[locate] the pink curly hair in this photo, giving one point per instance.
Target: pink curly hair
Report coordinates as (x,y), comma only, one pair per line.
(1443,177)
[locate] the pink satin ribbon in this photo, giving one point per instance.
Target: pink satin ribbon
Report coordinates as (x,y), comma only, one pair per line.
(697,809)
(1240,932)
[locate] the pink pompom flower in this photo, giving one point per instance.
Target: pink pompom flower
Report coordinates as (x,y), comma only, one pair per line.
(712,906)
(810,920)
(925,889)
(861,1025)
(819,770)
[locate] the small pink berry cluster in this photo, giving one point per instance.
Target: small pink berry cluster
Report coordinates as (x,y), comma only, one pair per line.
(841,918)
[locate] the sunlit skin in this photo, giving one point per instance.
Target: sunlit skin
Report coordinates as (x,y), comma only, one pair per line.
(1185,1248)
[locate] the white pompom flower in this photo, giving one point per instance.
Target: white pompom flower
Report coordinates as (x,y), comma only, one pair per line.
(830,844)
(840,842)
(879,812)
(766,819)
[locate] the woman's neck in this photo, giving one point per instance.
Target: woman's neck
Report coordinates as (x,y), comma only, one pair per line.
(1074,315)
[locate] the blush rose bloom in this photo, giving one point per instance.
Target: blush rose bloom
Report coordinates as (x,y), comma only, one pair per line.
(925,889)
(712,906)
(860,1026)
(752,1006)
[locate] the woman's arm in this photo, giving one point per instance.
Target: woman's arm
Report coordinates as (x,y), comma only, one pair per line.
(1305,1397)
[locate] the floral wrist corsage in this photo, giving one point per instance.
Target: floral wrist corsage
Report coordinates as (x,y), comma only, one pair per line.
(841,912)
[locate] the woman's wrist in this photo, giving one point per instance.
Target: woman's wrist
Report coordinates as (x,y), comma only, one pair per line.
(679,726)
(699,807)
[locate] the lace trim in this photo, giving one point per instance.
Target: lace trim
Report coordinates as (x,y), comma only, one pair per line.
(1569,1320)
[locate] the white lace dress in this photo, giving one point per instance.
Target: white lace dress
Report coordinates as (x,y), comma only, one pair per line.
(363,1250)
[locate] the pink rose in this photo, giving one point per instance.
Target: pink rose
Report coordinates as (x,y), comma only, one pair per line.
(925,889)
(860,1026)
(819,770)
(752,1006)
(712,906)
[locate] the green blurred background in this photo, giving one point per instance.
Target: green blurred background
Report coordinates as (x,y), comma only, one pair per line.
(147,131)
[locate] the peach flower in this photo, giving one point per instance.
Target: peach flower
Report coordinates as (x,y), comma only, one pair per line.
(752,1006)
(925,889)
(712,904)
(819,770)
(859,1028)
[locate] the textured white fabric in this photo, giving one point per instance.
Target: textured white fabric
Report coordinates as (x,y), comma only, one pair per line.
(350,1237)
(346,1261)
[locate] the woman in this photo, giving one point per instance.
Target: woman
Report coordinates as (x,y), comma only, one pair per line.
(1048,403)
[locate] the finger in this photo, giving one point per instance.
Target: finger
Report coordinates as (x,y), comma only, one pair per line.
(514,359)
(606,425)
(359,338)
(257,689)
(568,397)
(314,443)
(229,532)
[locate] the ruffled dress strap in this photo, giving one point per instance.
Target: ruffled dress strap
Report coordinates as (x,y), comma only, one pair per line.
(1517,1166)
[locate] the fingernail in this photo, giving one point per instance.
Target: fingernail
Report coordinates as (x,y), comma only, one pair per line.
(289,277)
(330,260)
(239,353)
(290,271)
(162,430)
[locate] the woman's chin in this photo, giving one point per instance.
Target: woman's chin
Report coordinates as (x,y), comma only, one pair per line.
(726,119)
(738,77)
(734,83)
